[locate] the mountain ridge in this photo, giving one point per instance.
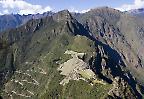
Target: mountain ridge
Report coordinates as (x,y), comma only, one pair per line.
(10,21)
(136,12)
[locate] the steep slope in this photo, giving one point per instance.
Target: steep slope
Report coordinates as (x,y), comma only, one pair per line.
(121,32)
(134,35)
(38,63)
(9,21)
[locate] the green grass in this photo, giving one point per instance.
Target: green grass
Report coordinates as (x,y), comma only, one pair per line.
(86,74)
(83,90)
(82,44)
(75,90)
(54,88)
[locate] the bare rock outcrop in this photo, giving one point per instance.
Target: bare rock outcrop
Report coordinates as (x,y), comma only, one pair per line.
(121,89)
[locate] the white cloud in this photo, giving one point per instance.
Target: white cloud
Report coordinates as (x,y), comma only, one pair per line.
(84,11)
(23,7)
(1,13)
(137,4)
(6,11)
(72,9)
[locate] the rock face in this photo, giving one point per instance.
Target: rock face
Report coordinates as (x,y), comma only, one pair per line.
(120,89)
(119,34)
(62,56)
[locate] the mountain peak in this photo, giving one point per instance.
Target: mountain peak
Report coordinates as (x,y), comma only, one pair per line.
(105,8)
(62,15)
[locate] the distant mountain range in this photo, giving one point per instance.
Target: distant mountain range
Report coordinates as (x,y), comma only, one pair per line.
(14,20)
(137,12)
(94,55)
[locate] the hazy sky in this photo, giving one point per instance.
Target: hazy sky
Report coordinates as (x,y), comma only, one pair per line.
(40,6)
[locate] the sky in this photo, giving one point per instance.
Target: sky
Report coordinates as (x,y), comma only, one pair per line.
(81,6)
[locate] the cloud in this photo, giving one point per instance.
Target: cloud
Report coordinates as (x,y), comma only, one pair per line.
(84,11)
(23,7)
(72,9)
(5,11)
(1,13)
(136,4)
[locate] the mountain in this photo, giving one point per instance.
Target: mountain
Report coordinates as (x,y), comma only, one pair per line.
(106,22)
(14,20)
(137,12)
(79,56)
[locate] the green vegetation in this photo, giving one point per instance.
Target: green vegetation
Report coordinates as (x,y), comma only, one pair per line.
(88,74)
(82,44)
(75,90)
(83,90)
(54,88)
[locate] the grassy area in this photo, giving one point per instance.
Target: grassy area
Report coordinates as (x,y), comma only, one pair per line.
(88,74)
(83,90)
(54,90)
(82,44)
(74,90)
